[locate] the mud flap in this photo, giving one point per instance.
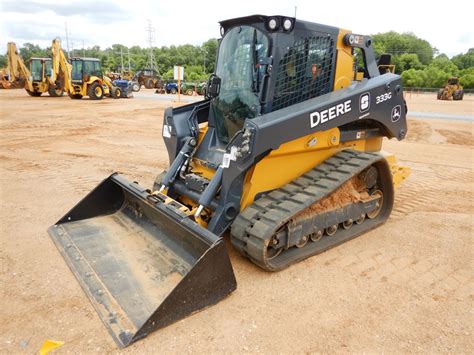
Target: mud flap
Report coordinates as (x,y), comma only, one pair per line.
(143,263)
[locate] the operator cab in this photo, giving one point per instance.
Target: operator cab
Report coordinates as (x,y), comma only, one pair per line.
(453,81)
(85,68)
(264,64)
(267,63)
(40,69)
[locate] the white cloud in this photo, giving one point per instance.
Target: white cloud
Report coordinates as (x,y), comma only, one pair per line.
(178,22)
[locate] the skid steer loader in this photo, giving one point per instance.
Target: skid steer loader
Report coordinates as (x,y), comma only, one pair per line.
(284,153)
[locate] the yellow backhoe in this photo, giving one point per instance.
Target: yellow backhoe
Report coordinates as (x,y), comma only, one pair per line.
(41,76)
(87,79)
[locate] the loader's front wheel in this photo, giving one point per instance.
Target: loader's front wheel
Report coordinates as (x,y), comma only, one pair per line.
(135,86)
(189,92)
(95,91)
(116,92)
(458,95)
(149,84)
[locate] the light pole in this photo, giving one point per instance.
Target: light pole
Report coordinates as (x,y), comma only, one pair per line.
(205,53)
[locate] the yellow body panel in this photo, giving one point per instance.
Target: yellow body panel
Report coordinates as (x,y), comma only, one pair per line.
(344,63)
(197,165)
(399,173)
(81,89)
(295,158)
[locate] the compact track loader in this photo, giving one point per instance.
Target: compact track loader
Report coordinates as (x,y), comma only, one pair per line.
(284,154)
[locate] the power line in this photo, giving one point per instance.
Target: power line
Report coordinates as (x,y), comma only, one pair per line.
(150,30)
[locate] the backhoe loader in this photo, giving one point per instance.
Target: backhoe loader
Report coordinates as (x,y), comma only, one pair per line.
(87,79)
(284,155)
(39,78)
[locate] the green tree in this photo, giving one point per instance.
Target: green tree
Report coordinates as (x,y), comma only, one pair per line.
(398,44)
(413,78)
(408,61)
(466,77)
(464,61)
(30,50)
(209,49)
(443,63)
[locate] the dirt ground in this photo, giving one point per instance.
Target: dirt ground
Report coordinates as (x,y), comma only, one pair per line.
(404,287)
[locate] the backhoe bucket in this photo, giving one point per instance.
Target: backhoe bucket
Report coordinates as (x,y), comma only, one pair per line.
(143,263)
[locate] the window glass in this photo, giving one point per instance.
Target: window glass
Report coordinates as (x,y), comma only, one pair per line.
(77,70)
(241,77)
(36,69)
(304,72)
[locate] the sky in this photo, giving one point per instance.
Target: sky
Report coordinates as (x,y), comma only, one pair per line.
(107,22)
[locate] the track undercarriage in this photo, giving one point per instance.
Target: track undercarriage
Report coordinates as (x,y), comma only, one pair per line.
(343,197)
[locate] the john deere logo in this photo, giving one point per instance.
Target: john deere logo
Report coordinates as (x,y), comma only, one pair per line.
(330,113)
(396,113)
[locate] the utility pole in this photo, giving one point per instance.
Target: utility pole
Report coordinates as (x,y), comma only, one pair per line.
(129,68)
(150,30)
(204,56)
(67,41)
(121,59)
(83,50)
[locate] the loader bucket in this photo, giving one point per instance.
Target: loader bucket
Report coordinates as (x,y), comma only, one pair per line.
(142,262)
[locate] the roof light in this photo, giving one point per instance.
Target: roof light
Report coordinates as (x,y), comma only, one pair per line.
(287,24)
(272,24)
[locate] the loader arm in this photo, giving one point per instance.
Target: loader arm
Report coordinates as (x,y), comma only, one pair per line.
(60,63)
(16,68)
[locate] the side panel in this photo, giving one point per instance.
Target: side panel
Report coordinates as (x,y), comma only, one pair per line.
(344,63)
(379,99)
(295,158)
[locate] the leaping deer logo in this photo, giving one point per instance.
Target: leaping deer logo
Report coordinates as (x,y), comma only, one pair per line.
(396,113)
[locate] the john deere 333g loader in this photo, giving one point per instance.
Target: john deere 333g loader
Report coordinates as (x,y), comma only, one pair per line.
(284,154)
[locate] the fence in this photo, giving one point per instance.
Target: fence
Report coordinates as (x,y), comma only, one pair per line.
(409,90)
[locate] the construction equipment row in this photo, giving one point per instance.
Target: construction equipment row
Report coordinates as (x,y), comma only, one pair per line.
(78,78)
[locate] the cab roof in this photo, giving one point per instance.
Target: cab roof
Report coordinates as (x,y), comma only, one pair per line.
(86,58)
(263,19)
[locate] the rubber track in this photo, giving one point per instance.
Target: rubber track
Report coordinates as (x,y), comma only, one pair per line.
(255,226)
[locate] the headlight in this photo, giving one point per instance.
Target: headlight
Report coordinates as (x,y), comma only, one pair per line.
(287,24)
(272,24)
(222,31)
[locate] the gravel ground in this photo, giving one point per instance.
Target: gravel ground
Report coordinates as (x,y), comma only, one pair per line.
(404,287)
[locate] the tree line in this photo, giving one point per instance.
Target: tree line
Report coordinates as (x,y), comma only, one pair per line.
(420,64)
(416,60)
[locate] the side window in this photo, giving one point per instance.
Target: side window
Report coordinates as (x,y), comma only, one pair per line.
(48,68)
(88,67)
(97,69)
(36,69)
(304,72)
(77,70)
